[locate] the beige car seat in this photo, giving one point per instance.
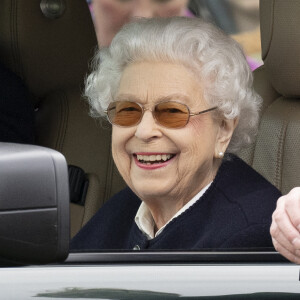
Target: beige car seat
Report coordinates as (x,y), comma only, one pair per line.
(49,44)
(276,153)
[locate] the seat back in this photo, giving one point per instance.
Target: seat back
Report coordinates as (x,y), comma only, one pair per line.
(276,152)
(49,44)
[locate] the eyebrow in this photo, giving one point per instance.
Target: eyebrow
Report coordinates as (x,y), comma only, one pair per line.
(171,97)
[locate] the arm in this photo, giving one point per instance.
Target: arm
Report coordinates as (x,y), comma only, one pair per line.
(285,226)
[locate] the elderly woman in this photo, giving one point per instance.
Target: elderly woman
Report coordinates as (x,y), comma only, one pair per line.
(178,94)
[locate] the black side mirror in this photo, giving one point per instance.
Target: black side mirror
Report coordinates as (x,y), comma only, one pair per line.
(34,205)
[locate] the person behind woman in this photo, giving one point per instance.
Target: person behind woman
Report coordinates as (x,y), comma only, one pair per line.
(179,95)
(110,15)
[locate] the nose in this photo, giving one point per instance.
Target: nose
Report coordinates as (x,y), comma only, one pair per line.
(147,129)
(142,9)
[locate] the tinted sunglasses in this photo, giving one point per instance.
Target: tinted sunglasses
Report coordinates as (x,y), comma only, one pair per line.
(169,114)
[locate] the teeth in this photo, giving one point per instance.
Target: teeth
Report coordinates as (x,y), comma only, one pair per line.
(153,158)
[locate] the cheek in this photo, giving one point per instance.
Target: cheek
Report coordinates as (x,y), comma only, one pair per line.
(200,139)
(204,127)
(119,153)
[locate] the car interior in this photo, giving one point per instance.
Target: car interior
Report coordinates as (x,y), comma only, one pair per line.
(275,153)
(50,44)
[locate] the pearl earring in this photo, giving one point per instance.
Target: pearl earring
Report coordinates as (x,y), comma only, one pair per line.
(221,154)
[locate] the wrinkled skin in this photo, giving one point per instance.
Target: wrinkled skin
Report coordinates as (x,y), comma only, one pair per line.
(285,226)
(196,146)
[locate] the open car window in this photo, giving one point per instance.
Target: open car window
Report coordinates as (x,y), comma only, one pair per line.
(50,190)
(198,9)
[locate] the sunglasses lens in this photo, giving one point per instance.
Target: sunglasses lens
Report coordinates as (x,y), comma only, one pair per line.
(172,114)
(168,114)
(124,113)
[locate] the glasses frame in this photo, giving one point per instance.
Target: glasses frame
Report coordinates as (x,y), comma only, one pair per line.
(190,114)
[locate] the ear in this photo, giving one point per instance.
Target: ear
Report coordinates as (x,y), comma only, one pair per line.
(225,131)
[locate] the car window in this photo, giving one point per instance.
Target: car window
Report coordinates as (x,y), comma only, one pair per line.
(238,19)
(35,259)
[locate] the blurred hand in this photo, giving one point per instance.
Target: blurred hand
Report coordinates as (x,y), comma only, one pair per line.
(285,228)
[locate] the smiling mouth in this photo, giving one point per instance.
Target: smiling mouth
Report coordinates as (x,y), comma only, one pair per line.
(153,158)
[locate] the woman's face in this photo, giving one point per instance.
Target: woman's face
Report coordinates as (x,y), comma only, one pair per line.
(192,148)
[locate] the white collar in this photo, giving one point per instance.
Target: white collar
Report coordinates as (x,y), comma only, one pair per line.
(145,221)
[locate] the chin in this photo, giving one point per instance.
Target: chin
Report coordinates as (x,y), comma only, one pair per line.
(148,191)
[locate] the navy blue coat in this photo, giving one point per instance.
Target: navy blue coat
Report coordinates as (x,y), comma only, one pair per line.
(235,212)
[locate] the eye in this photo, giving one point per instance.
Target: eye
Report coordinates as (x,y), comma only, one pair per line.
(173,110)
(127,106)
(131,108)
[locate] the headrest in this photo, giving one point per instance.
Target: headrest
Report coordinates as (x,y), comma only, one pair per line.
(47,52)
(280,35)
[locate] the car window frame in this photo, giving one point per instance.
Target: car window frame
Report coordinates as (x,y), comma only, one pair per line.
(175,257)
